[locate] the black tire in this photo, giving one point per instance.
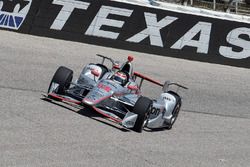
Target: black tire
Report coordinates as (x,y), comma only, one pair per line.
(175,114)
(142,108)
(63,76)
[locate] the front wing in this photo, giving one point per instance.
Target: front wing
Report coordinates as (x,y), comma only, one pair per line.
(128,121)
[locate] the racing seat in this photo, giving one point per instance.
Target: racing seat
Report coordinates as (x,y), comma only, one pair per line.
(121,77)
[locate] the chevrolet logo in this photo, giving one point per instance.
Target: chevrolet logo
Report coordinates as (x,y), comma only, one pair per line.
(13,13)
(10,5)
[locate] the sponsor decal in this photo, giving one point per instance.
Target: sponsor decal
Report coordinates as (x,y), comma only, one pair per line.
(68,6)
(155,111)
(13,13)
(104,87)
(235,45)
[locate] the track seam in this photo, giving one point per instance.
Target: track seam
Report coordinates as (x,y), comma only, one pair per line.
(21,89)
(184,110)
(213,114)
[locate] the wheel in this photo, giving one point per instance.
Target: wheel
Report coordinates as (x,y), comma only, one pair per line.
(63,76)
(175,114)
(142,108)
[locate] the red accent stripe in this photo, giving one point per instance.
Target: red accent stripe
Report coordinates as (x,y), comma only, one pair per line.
(121,75)
(148,79)
(78,102)
(106,115)
(64,99)
(116,67)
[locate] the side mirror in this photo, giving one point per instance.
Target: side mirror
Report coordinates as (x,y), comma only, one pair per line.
(132,87)
(95,73)
(165,86)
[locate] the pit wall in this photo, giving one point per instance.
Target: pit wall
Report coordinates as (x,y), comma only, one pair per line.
(132,27)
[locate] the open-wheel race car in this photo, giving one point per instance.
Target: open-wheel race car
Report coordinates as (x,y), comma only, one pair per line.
(115,93)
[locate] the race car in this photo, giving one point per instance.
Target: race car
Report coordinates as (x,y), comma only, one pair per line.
(115,93)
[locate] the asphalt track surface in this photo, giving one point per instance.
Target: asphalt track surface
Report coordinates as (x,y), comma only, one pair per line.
(213,128)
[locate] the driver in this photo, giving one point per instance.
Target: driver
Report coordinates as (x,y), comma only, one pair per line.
(120,78)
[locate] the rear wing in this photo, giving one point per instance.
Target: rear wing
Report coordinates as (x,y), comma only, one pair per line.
(143,77)
(164,86)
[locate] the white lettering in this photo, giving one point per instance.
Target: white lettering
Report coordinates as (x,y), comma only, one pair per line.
(67,9)
(202,44)
(101,19)
(233,38)
(1,5)
(153,29)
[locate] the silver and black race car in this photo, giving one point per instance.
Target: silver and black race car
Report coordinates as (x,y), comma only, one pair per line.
(115,93)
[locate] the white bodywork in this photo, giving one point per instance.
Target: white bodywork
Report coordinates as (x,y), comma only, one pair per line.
(161,112)
(160,115)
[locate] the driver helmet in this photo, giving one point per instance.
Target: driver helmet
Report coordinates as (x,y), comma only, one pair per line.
(120,77)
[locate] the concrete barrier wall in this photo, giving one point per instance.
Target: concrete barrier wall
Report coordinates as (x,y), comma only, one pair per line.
(132,27)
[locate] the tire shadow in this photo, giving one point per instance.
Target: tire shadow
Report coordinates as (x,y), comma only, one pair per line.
(90,113)
(156,130)
(87,112)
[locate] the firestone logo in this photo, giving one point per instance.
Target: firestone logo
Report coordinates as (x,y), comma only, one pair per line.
(13,13)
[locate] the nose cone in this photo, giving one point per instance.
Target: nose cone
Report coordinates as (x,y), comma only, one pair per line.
(97,94)
(94,98)
(104,90)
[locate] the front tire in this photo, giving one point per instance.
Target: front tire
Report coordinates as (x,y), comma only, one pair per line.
(142,108)
(63,77)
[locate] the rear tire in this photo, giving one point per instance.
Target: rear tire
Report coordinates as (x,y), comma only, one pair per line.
(175,114)
(63,76)
(142,108)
